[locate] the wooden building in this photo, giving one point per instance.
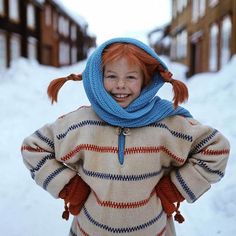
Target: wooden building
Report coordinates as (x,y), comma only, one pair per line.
(42,30)
(19,30)
(159,39)
(203,33)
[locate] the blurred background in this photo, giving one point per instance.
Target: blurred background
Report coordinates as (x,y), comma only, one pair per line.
(201,34)
(41,40)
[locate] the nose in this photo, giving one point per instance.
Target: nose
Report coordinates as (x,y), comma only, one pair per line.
(120,83)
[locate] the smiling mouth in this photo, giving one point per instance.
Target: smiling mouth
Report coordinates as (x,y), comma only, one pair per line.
(120,96)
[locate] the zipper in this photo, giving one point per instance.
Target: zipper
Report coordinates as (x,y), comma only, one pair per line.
(122,133)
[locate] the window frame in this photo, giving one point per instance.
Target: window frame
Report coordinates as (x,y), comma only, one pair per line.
(32,44)
(13,56)
(14,12)
(213,49)
(225,44)
(31,16)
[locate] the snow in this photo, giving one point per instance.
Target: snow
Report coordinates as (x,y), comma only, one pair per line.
(73,13)
(28,210)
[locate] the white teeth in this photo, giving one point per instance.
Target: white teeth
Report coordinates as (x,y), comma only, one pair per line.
(120,95)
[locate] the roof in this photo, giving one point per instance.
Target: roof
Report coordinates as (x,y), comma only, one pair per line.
(65,9)
(72,13)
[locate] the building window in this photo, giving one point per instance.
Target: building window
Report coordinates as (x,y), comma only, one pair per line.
(184,43)
(213,3)
(74,55)
(30,16)
(179,45)
(66,27)
(73,32)
(63,26)
(202,7)
(3,51)
(32,48)
(226,32)
(64,53)
(14,10)
(180,5)
(2,8)
(195,10)
(48,15)
(174,8)
(198,9)
(60,24)
(173,48)
(213,58)
(15,47)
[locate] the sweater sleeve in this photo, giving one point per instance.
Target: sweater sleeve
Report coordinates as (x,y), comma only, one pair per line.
(38,152)
(205,164)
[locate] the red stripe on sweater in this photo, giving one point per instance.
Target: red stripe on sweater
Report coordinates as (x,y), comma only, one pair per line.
(162,232)
(123,205)
(31,149)
(215,152)
(128,151)
(81,229)
(153,149)
(89,147)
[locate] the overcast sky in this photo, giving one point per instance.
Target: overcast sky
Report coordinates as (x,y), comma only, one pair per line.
(113,18)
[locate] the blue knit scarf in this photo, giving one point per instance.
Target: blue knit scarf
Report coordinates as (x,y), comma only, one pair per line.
(144,110)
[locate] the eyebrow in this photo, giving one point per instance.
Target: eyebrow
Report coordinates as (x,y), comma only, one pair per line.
(110,71)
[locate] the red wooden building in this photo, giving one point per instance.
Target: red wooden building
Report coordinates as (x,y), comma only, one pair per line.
(42,30)
(202,33)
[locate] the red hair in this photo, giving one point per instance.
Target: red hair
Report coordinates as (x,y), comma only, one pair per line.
(135,55)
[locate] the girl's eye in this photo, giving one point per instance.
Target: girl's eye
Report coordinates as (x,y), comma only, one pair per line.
(111,76)
(131,77)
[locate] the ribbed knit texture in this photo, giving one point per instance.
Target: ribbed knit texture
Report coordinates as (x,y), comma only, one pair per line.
(146,109)
(123,200)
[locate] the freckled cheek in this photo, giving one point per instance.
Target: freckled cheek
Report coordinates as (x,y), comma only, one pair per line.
(138,89)
(107,85)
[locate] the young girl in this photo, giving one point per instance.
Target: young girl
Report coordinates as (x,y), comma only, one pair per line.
(124,164)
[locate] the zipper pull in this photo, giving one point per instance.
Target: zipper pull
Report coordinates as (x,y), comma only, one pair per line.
(122,132)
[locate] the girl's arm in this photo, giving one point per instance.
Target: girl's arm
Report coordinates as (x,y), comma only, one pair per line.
(206,162)
(38,151)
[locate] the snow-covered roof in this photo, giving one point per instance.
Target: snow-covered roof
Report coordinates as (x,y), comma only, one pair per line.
(72,13)
(154,37)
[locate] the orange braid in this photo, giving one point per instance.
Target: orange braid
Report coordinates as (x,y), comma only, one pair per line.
(56,85)
(180,90)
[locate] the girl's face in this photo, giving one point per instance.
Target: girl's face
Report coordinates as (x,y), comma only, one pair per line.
(123,81)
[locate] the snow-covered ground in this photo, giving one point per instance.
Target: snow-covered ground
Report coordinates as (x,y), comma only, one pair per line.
(28,210)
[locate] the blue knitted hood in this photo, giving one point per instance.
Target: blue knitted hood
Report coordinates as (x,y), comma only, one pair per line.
(144,110)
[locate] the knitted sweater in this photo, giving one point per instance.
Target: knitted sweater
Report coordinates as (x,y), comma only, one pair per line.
(122,200)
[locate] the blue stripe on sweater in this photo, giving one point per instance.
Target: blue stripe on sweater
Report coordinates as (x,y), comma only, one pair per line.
(118,177)
(203,142)
(180,135)
(45,139)
(41,163)
(79,125)
(204,166)
(122,230)
(52,176)
(185,186)
(72,233)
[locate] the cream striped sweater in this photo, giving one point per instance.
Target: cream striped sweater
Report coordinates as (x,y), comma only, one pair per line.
(122,200)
